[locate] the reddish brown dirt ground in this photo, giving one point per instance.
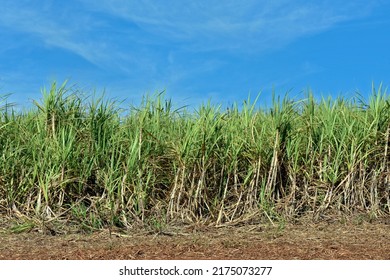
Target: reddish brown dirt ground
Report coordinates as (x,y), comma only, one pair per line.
(316,241)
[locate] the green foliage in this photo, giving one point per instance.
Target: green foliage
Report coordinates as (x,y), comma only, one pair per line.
(296,158)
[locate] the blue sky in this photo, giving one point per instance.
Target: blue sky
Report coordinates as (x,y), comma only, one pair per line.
(195,50)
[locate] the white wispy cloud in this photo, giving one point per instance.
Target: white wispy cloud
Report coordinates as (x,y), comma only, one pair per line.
(249,26)
(242,26)
(53,27)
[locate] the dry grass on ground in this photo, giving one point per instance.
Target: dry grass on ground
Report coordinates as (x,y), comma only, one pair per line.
(304,242)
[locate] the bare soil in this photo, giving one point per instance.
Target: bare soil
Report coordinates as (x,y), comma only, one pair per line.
(304,242)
